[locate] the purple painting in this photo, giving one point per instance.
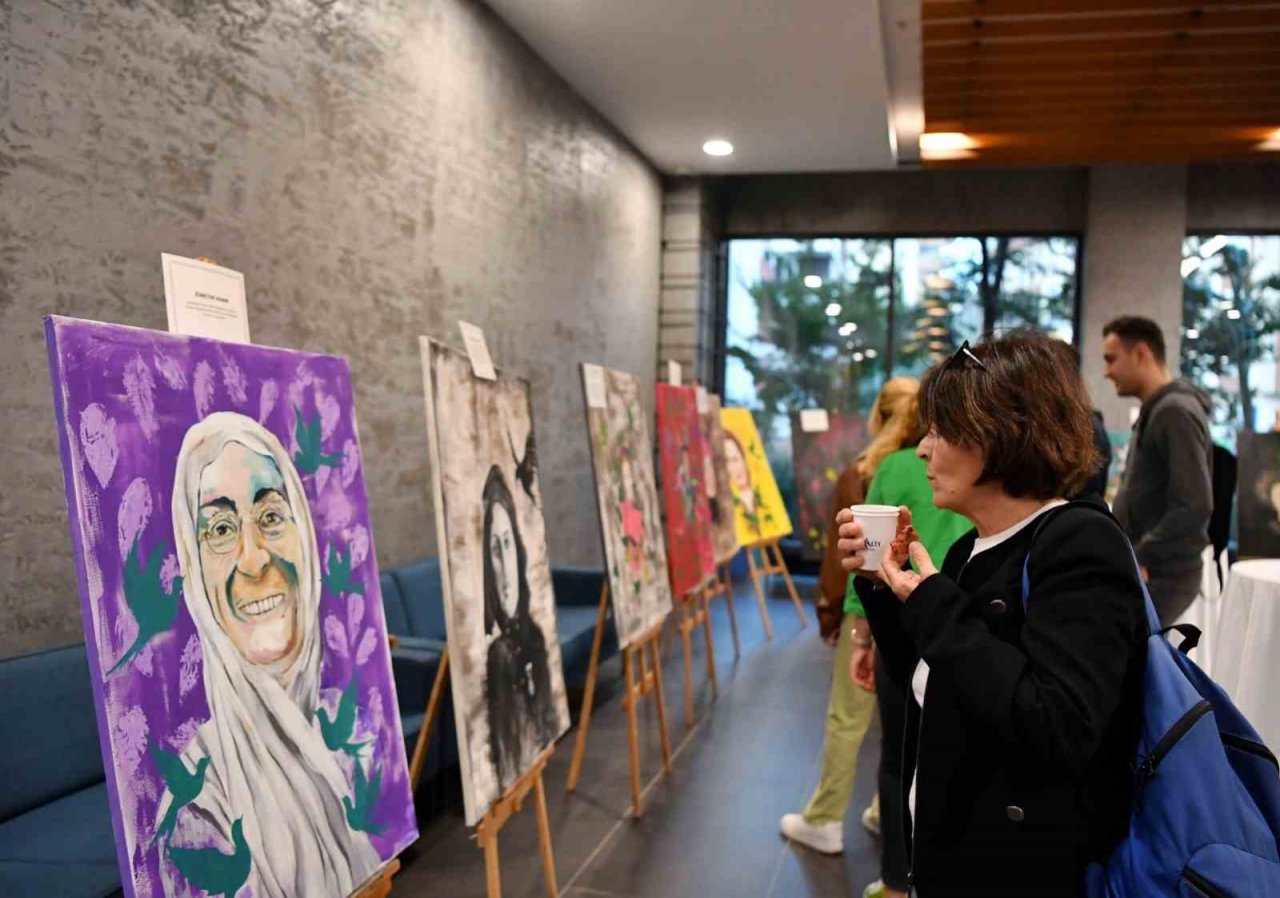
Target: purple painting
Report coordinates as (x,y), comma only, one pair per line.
(231,607)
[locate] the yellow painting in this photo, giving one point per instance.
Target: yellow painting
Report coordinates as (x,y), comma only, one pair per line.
(758,507)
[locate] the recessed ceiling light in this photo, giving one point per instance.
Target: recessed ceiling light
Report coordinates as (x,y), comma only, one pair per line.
(812,281)
(946,145)
(718,148)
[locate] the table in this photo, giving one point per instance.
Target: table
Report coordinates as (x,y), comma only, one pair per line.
(1246,658)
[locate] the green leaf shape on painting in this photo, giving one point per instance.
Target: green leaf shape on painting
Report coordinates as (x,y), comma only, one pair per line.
(364,799)
(310,456)
(153,608)
(213,872)
(338,730)
(184,786)
(337,576)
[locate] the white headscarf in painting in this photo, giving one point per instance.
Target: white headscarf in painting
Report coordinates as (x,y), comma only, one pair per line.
(268,762)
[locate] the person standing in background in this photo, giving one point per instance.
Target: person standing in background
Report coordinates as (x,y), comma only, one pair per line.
(901,480)
(893,423)
(1166,494)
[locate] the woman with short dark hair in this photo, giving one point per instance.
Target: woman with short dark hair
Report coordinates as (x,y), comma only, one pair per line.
(1023,721)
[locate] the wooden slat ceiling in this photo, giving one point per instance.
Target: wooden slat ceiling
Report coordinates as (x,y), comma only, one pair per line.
(1081,81)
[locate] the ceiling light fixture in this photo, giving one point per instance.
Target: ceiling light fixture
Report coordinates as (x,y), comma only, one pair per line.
(1193,333)
(947,145)
(871,353)
(1233,314)
(812,281)
(718,147)
(847,328)
(1272,142)
(833,309)
(857,356)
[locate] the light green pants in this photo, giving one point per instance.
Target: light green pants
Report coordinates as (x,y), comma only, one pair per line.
(848,716)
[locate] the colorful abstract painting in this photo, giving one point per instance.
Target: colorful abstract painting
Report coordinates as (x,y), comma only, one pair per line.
(630,521)
(683,453)
(758,508)
(236,640)
(818,458)
(500,611)
(1258,494)
(724,527)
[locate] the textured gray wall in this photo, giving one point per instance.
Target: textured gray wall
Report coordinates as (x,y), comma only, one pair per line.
(378,169)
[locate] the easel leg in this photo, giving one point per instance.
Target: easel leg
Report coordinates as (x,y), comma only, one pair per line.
(588,696)
(726,583)
(662,711)
(686,627)
(711,648)
(433,711)
(492,875)
(754,571)
(544,838)
(791,587)
(633,737)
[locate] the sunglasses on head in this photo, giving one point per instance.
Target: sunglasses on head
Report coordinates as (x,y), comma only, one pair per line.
(961,353)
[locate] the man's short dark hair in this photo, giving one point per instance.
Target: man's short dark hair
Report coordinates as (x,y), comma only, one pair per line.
(1132,329)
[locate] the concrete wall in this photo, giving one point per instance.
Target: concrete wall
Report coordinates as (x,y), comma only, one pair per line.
(378,169)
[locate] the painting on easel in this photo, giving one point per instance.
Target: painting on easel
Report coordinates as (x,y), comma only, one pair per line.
(232,613)
(500,611)
(1258,494)
(724,528)
(759,510)
(683,452)
(622,458)
(818,457)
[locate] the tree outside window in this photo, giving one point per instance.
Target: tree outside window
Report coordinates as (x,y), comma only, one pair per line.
(1231,325)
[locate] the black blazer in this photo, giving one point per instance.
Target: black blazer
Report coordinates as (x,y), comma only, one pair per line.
(1022,754)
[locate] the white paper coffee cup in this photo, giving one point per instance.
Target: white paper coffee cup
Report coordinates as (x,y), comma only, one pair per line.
(879,526)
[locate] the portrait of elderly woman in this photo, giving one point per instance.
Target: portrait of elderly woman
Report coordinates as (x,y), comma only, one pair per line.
(522,716)
(251,582)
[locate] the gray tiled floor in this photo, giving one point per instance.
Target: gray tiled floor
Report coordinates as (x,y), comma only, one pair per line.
(710,828)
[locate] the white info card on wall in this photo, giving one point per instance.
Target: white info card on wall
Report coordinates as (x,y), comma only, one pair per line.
(204,300)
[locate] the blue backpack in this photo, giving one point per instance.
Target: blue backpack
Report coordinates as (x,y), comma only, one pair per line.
(1206,794)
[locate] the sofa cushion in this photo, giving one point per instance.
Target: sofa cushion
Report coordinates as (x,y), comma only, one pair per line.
(576,627)
(52,748)
(577,585)
(423,597)
(393,605)
(64,848)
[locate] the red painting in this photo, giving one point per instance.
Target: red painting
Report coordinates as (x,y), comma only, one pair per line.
(683,452)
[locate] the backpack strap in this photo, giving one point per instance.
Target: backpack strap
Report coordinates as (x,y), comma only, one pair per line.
(1153,619)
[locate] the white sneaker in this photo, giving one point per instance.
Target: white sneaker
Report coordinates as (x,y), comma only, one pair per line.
(871,820)
(827,838)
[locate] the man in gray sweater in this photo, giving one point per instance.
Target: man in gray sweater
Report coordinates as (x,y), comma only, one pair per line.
(1166,494)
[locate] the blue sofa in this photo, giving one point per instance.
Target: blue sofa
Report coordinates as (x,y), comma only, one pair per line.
(55,818)
(55,834)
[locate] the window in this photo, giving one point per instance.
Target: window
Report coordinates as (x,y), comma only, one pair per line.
(1231,328)
(820,323)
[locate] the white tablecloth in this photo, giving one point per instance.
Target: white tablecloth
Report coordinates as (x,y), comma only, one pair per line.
(1246,654)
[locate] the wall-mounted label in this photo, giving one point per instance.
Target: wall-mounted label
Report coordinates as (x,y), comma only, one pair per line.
(477,351)
(814,420)
(675,376)
(593,378)
(204,300)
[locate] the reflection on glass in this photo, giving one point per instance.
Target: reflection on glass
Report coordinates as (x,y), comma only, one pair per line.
(1230,320)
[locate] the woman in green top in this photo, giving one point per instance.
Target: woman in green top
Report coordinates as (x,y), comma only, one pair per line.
(900,480)
(894,423)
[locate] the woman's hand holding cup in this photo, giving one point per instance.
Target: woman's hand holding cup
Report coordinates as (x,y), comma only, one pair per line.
(865,549)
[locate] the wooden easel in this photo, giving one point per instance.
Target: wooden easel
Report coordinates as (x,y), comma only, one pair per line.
(642,676)
(721,585)
(771,564)
(379,884)
(492,822)
(496,817)
(694,613)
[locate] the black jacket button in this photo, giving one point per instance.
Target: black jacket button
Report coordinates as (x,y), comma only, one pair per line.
(1015,813)
(998,606)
